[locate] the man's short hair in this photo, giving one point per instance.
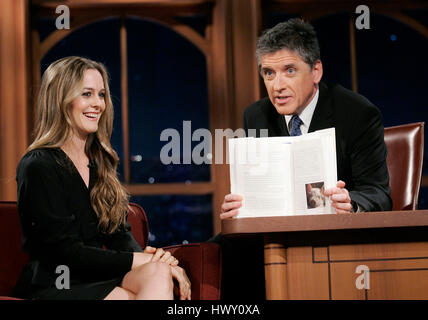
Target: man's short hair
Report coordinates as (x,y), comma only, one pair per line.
(294,35)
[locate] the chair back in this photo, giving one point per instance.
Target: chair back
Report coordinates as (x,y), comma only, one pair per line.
(405,145)
(137,218)
(12,257)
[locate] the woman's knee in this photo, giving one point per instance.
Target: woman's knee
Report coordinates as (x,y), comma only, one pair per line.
(119,293)
(156,282)
(158,272)
(157,269)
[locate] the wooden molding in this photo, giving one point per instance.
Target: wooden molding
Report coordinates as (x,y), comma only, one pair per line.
(352,49)
(84,20)
(296,6)
(77,3)
(14,92)
(246,16)
(124,95)
(195,188)
(424,181)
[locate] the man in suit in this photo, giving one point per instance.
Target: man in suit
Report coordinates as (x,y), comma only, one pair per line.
(288,56)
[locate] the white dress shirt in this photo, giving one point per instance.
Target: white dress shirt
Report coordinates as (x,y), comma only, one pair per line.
(305,115)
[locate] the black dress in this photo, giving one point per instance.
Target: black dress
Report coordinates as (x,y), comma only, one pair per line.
(59,228)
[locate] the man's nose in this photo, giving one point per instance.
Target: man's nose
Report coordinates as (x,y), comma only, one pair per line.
(279,83)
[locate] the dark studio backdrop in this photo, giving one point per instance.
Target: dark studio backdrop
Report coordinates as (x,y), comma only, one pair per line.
(168,84)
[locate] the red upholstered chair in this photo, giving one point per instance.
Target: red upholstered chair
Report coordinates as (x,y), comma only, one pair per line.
(202,261)
(12,258)
(405,144)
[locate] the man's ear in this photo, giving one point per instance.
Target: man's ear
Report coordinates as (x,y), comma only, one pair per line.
(317,71)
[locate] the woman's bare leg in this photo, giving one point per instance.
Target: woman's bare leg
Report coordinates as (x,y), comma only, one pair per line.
(119,293)
(150,281)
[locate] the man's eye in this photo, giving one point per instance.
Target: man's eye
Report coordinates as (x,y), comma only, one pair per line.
(268,73)
(291,70)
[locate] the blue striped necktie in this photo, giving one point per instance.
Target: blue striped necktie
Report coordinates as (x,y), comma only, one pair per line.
(295,126)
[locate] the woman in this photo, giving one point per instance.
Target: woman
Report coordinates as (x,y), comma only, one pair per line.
(71,203)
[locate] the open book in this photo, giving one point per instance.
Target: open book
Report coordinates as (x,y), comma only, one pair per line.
(279,176)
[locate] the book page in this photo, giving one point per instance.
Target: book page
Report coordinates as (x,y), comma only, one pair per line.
(260,171)
(280,176)
(314,157)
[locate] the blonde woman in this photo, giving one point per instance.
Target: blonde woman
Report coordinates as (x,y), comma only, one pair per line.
(72,206)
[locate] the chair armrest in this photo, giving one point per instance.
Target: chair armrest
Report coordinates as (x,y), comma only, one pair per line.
(202,263)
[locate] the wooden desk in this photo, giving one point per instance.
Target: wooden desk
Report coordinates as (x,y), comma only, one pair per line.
(317,256)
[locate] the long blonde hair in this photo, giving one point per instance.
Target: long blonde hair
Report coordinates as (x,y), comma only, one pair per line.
(61,83)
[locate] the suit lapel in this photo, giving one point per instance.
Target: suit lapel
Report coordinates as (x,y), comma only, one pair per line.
(322,117)
(281,125)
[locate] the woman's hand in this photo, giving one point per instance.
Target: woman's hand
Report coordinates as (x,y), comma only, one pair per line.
(184,287)
(151,254)
(161,255)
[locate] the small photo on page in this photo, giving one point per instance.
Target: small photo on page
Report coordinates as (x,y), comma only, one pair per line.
(315,195)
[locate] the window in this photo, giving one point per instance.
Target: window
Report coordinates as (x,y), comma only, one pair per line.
(167,85)
(174,219)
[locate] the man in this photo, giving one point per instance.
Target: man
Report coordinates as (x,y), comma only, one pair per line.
(288,56)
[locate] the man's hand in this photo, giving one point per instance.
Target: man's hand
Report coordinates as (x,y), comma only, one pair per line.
(340,198)
(161,255)
(184,287)
(230,206)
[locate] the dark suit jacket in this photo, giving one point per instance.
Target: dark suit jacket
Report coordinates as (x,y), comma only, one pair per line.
(360,146)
